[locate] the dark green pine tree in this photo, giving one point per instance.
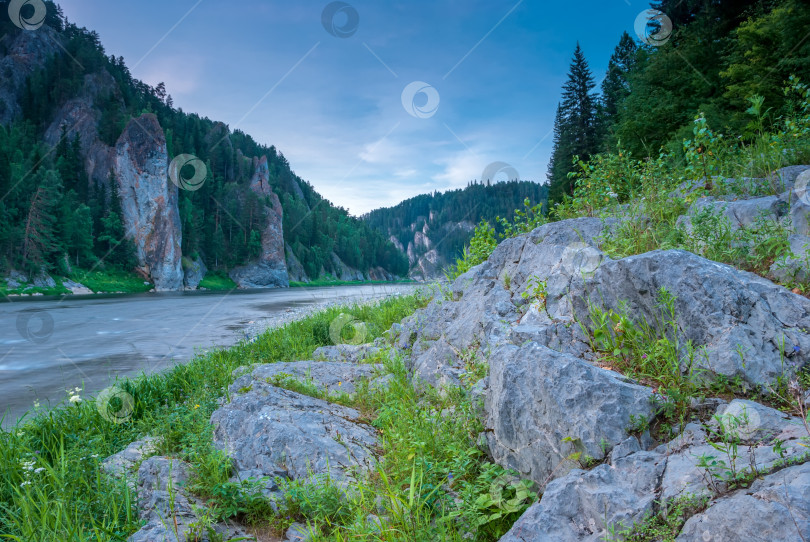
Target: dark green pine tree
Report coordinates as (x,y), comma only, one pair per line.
(41,244)
(577,126)
(616,88)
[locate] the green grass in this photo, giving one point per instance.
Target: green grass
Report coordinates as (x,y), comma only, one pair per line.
(50,485)
(217,281)
(329,281)
(111,281)
(29,290)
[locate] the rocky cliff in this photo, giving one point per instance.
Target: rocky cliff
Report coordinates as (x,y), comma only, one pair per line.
(149,201)
(270,270)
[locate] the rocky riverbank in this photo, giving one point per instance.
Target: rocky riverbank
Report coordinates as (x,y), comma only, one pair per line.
(714,432)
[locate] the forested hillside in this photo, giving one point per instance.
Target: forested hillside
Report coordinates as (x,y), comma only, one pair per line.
(64,102)
(718,56)
(432,229)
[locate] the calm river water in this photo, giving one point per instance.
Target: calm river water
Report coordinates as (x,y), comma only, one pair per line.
(50,345)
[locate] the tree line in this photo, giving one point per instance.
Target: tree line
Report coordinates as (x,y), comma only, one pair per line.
(718,56)
(53,217)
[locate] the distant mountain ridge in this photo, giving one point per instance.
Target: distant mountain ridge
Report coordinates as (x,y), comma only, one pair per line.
(432,229)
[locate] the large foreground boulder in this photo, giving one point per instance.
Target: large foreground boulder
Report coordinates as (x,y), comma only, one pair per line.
(537,397)
(741,324)
(273,432)
(775,508)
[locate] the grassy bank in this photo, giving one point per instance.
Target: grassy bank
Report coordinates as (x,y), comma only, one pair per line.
(51,487)
(217,281)
(328,281)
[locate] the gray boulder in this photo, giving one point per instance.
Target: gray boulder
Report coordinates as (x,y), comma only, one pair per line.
(480,308)
(334,376)
(776,508)
(272,432)
(794,267)
(785,178)
(720,309)
(581,506)
(742,213)
(44,280)
(165,506)
(122,464)
(193,273)
(261,274)
(537,397)
(798,197)
(350,353)
(76,288)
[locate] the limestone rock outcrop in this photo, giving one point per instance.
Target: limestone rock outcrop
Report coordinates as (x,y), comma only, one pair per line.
(270,270)
(149,201)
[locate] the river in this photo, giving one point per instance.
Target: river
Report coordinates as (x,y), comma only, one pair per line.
(48,346)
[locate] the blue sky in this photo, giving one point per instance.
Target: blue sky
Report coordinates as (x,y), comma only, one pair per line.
(334,105)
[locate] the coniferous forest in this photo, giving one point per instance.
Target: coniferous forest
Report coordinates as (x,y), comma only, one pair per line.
(719,56)
(54,219)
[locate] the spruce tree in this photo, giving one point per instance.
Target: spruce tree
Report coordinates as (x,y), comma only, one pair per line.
(616,87)
(576,126)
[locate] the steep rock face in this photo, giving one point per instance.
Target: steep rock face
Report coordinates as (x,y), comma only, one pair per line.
(270,271)
(295,270)
(80,116)
(27,51)
(149,201)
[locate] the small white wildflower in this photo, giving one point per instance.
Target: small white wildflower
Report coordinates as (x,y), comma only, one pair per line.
(28,465)
(94,456)
(77,390)
(75,399)
(26,483)
(613,195)
(36,405)
(40,469)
